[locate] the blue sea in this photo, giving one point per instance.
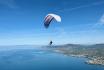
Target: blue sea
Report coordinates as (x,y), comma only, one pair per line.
(37,58)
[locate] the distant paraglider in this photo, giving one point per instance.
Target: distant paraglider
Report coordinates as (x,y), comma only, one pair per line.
(51,17)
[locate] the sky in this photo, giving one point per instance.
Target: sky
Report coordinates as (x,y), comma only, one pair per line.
(21,22)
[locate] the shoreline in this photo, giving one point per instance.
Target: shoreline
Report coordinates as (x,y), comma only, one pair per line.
(95,62)
(90,60)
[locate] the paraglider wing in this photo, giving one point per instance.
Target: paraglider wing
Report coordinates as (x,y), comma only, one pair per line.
(49,18)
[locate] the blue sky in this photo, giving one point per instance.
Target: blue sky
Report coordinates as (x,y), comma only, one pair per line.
(21,22)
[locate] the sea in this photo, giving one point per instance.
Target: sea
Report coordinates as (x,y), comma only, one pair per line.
(25,57)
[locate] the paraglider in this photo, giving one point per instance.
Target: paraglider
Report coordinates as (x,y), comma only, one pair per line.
(50,43)
(48,19)
(51,17)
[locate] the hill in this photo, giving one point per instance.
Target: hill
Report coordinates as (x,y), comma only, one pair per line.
(95,52)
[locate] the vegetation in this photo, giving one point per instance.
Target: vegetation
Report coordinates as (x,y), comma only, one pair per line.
(95,53)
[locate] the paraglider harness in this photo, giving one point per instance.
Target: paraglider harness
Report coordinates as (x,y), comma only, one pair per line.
(50,43)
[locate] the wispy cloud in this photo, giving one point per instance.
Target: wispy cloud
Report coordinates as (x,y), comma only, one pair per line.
(81,6)
(8,3)
(101,21)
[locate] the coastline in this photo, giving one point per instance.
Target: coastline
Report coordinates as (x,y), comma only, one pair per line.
(90,60)
(95,62)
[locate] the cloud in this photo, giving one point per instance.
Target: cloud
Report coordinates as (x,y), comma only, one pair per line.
(8,3)
(81,6)
(102,19)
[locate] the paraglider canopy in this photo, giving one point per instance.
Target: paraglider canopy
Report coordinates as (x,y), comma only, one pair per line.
(51,17)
